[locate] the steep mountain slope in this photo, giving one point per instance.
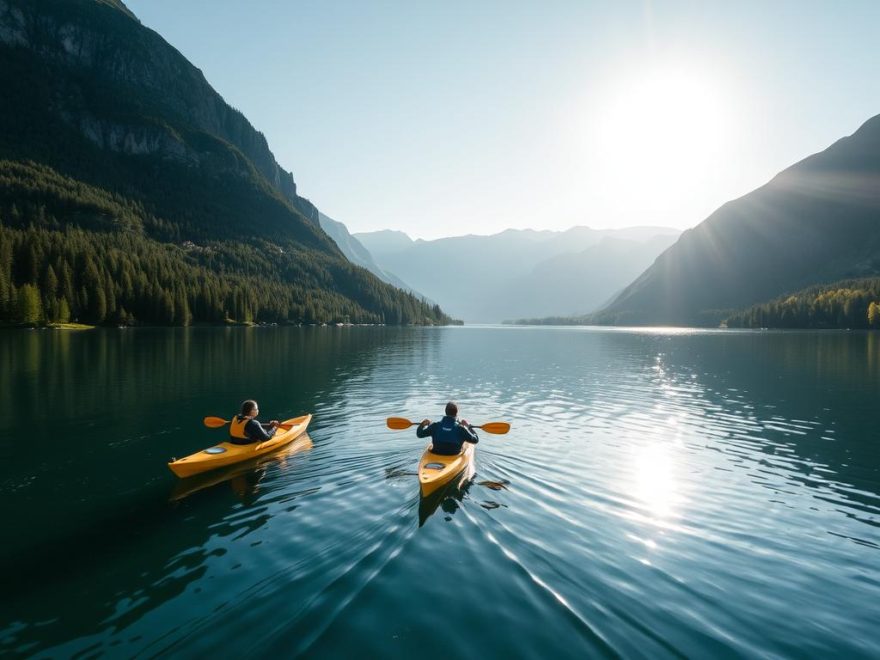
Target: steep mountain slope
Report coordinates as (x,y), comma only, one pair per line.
(356,253)
(515,274)
(109,129)
(817,221)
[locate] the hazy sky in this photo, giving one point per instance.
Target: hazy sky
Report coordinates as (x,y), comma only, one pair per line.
(453,117)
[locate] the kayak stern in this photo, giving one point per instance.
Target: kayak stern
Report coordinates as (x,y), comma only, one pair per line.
(437,470)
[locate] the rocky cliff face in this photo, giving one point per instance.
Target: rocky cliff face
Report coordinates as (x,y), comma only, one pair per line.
(105,43)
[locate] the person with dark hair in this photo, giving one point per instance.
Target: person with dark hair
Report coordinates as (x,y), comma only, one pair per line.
(245,429)
(449,434)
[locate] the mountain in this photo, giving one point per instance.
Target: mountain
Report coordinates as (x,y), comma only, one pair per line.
(578,282)
(816,222)
(356,253)
(519,273)
(384,242)
(130,191)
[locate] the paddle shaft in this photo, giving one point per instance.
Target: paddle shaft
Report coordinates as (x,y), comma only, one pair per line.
(401,423)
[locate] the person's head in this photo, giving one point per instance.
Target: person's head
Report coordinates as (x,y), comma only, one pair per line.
(249,408)
(451,409)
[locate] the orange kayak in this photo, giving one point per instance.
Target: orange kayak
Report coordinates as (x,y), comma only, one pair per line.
(227,453)
(436,470)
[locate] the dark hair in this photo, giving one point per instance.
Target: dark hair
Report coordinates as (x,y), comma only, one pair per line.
(247,407)
(451,409)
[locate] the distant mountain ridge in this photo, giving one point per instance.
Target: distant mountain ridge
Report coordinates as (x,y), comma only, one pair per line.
(356,253)
(518,273)
(816,222)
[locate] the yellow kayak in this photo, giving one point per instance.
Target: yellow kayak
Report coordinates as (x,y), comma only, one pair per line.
(187,486)
(227,453)
(436,470)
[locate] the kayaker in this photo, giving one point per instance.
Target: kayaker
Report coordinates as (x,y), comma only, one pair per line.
(245,429)
(449,434)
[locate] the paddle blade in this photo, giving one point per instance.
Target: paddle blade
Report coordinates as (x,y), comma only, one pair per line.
(499,428)
(215,422)
(398,423)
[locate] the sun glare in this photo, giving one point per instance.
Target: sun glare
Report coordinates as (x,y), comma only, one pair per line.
(657,135)
(655,482)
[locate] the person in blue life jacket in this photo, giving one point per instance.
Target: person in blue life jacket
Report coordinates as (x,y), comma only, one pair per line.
(449,434)
(245,429)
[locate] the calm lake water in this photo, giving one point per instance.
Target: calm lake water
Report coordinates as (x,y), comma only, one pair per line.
(667,494)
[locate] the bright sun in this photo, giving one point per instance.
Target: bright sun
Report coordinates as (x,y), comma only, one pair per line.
(656,136)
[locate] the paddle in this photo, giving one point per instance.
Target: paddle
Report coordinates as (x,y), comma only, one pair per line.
(401,423)
(217,422)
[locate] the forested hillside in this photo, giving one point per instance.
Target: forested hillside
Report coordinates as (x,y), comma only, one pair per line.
(130,192)
(845,304)
(72,251)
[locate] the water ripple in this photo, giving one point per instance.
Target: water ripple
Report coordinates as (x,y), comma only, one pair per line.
(661,494)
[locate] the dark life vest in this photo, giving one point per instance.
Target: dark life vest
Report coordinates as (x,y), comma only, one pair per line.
(448,435)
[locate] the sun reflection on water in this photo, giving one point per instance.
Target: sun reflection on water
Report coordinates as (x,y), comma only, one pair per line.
(656,485)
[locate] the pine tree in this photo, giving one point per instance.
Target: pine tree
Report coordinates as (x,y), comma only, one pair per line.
(166,308)
(29,307)
(874,315)
(182,315)
(30,265)
(98,306)
(4,294)
(50,308)
(63,315)
(81,304)
(66,281)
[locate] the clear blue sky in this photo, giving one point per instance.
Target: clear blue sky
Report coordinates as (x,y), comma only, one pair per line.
(444,118)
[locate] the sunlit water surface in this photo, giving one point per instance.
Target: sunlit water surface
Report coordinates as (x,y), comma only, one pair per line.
(661,493)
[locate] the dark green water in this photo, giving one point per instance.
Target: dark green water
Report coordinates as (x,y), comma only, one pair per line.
(669,494)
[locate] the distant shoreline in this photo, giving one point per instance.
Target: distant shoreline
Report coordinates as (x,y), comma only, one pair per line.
(232,324)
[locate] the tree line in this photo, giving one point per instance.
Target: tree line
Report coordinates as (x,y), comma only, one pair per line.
(69,251)
(846,304)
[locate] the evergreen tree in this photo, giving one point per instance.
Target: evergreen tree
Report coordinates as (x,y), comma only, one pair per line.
(874,315)
(97,310)
(50,282)
(66,281)
(182,314)
(166,308)
(81,306)
(29,307)
(50,308)
(63,315)
(4,294)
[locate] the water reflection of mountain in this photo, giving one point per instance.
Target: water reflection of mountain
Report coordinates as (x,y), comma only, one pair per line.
(95,544)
